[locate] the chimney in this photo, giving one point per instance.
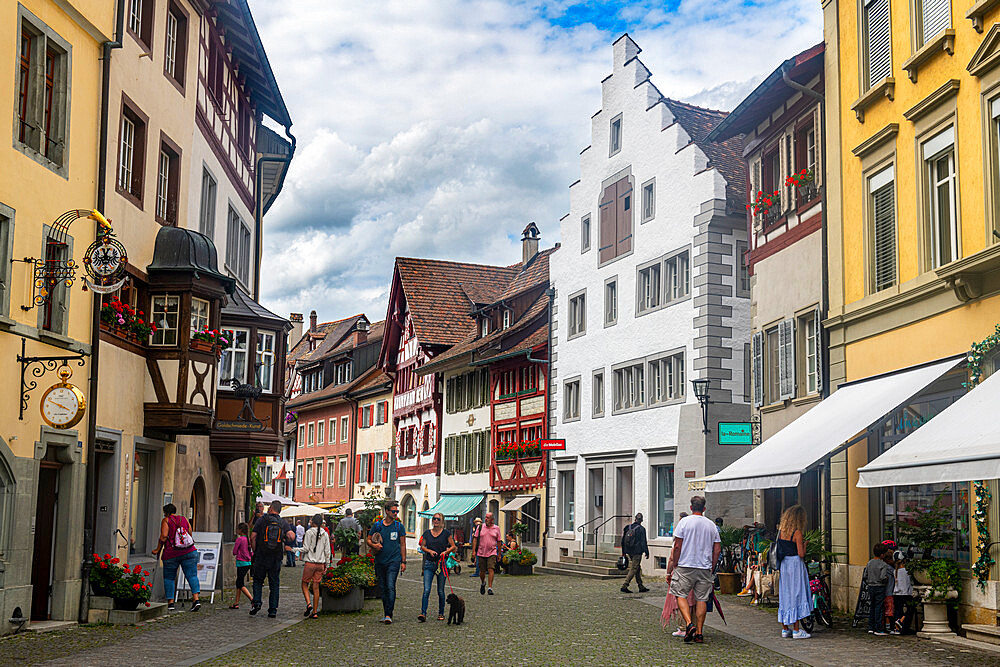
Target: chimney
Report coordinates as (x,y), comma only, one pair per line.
(312,321)
(529,243)
(295,335)
(361,333)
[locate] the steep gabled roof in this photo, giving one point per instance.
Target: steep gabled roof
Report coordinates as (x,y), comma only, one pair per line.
(726,156)
(333,338)
(374,380)
(438,295)
(301,347)
(535,273)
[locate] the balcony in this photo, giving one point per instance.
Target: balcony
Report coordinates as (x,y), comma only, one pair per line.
(517,466)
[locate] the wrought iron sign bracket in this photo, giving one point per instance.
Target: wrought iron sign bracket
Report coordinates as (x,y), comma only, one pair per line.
(38,367)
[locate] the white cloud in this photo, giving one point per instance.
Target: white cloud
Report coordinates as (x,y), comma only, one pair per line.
(438,128)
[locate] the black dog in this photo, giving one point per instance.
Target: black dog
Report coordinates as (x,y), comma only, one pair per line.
(456,609)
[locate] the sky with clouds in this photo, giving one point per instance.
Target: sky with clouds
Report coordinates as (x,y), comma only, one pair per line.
(440,128)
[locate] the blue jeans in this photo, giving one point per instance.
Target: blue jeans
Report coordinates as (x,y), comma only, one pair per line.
(429,568)
(290,558)
(386,574)
(188,563)
(267,566)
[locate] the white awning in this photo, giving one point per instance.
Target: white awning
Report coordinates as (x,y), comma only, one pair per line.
(517,503)
(353,505)
(782,458)
(960,444)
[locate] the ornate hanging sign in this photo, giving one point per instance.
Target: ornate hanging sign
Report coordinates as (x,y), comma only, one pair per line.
(105,261)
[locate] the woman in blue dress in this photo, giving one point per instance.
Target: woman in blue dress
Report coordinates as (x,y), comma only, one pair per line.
(794,597)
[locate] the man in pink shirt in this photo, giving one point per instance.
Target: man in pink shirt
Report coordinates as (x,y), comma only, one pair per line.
(485,544)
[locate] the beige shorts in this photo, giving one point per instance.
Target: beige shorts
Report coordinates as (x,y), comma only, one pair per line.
(687,579)
(487,563)
(312,572)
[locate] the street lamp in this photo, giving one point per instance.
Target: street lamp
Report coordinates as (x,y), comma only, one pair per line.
(701,393)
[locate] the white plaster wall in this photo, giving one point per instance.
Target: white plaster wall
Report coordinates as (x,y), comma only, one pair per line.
(457,424)
(201,155)
(376,438)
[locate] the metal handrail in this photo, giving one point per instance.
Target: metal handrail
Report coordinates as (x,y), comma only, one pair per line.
(582,529)
(598,529)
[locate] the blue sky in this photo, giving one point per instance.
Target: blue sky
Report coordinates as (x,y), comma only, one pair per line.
(440,128)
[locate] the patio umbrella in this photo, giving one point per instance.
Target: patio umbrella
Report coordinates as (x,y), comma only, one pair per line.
(300,510)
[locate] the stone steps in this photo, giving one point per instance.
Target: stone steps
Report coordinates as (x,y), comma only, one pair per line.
(580,560)
(560,568)
(982,633)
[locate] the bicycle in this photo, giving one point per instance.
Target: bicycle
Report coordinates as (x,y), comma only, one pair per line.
(820,589)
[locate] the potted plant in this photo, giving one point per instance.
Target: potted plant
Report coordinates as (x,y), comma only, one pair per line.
(729,581)
(520,529)
(127,586)
(946,580)
(209,340)
(342,585)
(519,561)
(925,529)
(103,573)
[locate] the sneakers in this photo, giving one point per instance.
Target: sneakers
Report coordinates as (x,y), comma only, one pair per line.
(387,620)
(699,639)
(679,633)
(643,589)
(786,634)
(421,618)
(482,589)
(801,634)
(272,614)
(745,593)
(689,633)
(254,608)
(880,633)
(171,606)
(625,589)
(196,606)
(308,611)
(489,591)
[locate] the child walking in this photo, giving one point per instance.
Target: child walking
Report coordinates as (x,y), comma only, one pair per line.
(878,576)
(902,595)
(241,552)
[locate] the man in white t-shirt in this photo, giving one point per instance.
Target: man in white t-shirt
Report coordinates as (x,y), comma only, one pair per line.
(695,552)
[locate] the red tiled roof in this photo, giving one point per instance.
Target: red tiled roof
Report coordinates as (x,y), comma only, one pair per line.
(333,339)
(372,379)
(438,295)
(726,156)
(301,347)
(536,273)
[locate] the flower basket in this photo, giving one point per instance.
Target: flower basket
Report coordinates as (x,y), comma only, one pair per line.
(202,346)
(519,561)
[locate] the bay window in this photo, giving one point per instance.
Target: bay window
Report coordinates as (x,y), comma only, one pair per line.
(165,312)
(265,357)
(234,357)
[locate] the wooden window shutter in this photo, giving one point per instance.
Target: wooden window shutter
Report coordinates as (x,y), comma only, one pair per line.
(371,414)
(818,145)
(474,453)
(818,346)
(786,359)
(485,386)
(357,470)
(447,455)
(758,369)
(474,379)
(884,219)
(484,450)
(371,468)
(361,416)
(385,467)
(623,211)
(450,395)
(878,40)
(606,249)
(468,453)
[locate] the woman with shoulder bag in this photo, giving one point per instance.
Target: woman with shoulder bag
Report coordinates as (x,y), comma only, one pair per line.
(315,556)
(178,551)
(794,598)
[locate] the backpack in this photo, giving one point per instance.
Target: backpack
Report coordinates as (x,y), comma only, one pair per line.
(270,540)
(182,538)
(631,536)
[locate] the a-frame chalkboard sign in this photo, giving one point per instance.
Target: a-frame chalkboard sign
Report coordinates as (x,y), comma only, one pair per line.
(864,606)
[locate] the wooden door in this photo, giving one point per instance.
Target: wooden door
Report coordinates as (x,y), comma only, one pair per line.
(45,521)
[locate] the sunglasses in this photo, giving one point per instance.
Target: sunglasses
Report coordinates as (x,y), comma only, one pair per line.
(435,519)
(395,511)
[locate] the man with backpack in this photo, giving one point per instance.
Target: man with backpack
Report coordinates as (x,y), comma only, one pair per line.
(634,546)
(268,538)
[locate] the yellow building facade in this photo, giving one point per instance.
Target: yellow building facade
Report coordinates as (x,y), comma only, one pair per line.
(913,187)
(51,79)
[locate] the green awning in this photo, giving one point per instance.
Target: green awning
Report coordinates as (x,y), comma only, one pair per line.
(455,505)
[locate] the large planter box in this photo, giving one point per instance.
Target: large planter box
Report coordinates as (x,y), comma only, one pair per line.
(102,611)
(373,592)
(353,601)
(517,569)
(729,583)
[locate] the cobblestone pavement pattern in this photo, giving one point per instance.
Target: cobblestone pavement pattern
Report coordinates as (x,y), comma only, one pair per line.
(535,620)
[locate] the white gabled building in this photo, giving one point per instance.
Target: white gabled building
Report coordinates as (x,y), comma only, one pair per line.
(648,298)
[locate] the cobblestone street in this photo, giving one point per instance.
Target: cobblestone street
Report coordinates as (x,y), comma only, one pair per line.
(543,619)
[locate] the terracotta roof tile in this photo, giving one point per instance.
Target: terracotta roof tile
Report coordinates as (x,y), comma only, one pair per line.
(438,295)
(374,378)
(536,273)
(726,156)
(333,339)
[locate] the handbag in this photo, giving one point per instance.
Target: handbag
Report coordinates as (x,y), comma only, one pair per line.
(773,556)
(622,564)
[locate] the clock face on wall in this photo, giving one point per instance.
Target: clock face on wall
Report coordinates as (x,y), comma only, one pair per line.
(62,405)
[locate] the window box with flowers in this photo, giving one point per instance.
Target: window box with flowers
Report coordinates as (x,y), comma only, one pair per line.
(766,208)
(508,451)
(805,186)
(209,340)
(126,322)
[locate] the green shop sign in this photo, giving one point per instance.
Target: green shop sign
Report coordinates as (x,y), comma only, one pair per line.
(735,433)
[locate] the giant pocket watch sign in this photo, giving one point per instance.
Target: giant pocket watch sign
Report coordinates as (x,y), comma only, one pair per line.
(62,404)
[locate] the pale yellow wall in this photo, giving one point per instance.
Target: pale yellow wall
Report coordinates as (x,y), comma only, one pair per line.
(969,138)
(374,439)
(39,195)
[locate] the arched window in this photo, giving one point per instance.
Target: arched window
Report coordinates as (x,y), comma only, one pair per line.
(409,514)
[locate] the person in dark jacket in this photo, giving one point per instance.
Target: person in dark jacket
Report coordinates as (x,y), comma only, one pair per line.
(634,546)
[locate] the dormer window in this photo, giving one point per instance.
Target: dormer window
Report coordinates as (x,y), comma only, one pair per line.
(484,329)
(506,317)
